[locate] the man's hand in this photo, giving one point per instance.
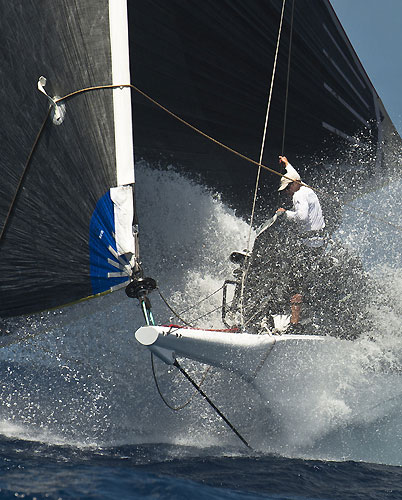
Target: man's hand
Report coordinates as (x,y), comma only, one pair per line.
(284,160)
(280,211)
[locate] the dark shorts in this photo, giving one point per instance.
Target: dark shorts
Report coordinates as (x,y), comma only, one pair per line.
(304,266)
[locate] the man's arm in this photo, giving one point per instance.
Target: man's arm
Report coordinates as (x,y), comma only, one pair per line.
(300,211)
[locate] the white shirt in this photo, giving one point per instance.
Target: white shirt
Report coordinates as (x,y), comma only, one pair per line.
(306,211)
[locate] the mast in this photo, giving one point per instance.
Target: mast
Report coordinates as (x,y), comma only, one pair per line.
(122,195)
(126,240)
(123,131)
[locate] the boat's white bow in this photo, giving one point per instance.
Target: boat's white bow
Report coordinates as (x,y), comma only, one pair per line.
(243,353)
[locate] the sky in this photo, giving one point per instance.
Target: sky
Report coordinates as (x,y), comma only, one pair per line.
(375,29)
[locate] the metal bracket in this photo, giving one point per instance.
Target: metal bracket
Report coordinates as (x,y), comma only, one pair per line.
(58,109)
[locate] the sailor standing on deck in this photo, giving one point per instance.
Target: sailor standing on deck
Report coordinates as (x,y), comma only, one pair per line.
(307,215)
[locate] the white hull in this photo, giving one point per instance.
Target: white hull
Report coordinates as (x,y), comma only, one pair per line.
(242,353)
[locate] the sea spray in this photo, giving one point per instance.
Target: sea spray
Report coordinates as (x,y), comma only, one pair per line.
(345,402)
(83,378)
(186,239)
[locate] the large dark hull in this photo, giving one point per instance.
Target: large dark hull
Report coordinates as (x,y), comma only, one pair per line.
(211,63)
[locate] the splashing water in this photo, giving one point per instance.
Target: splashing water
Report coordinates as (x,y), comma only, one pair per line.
(345,401)
(83,380)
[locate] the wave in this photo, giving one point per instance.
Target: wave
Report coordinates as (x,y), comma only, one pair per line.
(82,379)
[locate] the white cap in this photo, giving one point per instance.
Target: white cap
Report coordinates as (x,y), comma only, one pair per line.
(291,175)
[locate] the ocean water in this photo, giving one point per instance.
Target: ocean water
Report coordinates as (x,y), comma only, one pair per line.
(80,416)
(34,470)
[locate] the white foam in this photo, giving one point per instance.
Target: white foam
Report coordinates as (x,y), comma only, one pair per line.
(88,358)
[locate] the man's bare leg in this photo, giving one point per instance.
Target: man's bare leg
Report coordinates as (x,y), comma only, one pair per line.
(295,305)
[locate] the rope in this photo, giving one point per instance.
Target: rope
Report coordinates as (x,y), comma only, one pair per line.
(180,407)
(213,406)
(172,310)
(257,182)
(22,178)
(187,124)
(215,141)
(176,117)
(266,122)
(287,78)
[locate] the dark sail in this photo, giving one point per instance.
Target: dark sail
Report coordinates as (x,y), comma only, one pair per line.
(62,240)
(66,205)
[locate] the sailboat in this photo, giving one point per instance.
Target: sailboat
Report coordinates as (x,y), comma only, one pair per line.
(89,88)
(324,110)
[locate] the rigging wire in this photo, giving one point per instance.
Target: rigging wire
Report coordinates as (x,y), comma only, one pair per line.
(190,399)
(257,182)
(210,312)
(213,406)
(169,405)
(23,175)
(172,310)
(179,316)
(176,328)
(224,146)
(264,135)
(202,300)
(193,306)
(288,78)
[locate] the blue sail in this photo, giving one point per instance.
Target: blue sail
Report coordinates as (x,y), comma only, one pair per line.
(109,267)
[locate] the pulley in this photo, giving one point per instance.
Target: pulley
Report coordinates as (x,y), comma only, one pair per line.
(239,257)
(140,287)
